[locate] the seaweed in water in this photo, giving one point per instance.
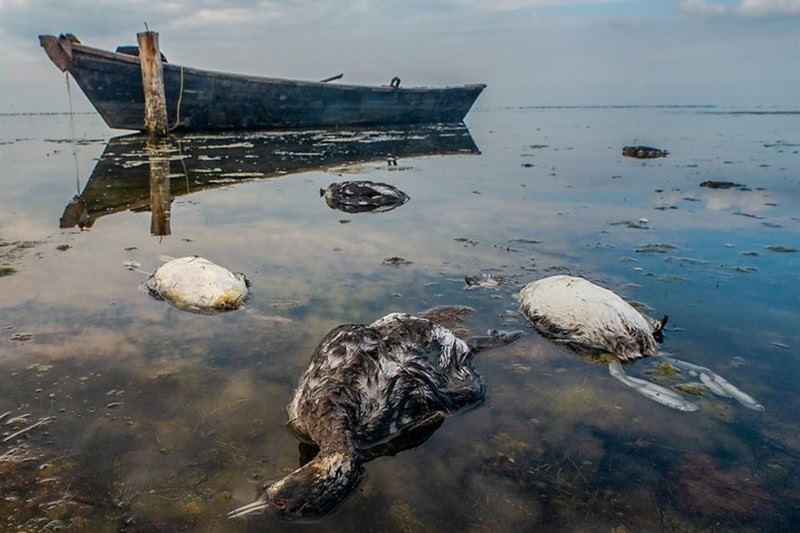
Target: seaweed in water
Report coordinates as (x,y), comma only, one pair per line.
(658,248)
(396,261)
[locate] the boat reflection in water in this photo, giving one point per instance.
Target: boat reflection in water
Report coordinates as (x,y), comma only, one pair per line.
(139,174)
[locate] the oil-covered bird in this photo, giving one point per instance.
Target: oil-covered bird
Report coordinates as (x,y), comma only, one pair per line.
(363,196)
(370,391)
(591,320)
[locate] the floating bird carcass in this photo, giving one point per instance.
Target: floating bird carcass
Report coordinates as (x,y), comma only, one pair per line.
(643,152)
(483,281)
(196,284)
(371,391)
(592,320)
(363,196)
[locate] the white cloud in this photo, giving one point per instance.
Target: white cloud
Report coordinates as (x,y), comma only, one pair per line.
(222,16)
(702,7)
(751,8)
(513,5)
(769,7)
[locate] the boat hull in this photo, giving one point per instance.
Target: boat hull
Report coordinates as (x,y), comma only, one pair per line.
(206,100)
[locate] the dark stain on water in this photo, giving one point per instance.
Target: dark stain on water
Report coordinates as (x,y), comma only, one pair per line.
(153,419)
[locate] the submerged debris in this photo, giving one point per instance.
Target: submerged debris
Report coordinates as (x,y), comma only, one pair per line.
(737,361)
(363,196)
(26,429)
(643,152)
(685,260)
(657,248)
(706,486)
(642,223)
(41,492)
(396,261)
(748,215)
(467,241)
(197,285)
(781,249)
(710,184)
(12,252)
(131,265)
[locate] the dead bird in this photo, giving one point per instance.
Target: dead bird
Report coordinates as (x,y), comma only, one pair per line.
(363,196)
(197,285)
(370,391)
(484,281)
(594,321)
(643,152)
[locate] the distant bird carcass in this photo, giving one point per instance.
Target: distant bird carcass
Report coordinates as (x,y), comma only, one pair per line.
(643,152)
(363,196)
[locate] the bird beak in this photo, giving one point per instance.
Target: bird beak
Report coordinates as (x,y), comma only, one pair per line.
(252,507)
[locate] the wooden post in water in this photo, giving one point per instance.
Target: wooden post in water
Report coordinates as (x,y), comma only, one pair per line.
(155,102)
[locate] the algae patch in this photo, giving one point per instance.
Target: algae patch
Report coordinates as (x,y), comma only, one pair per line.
(697,389)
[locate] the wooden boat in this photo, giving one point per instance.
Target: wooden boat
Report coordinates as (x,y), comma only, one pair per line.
(133,174)
(205,100)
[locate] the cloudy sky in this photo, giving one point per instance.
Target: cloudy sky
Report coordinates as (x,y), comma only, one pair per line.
(529,52)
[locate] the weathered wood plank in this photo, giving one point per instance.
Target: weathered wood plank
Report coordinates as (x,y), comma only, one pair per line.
(155,101)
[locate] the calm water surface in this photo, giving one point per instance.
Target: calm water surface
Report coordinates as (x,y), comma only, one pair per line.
(165,420)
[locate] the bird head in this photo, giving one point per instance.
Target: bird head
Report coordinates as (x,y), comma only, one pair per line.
(310,491)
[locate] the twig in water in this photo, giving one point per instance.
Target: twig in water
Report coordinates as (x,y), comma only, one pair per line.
(578,470)
(27,429)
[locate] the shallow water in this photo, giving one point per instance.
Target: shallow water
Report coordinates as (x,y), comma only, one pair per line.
(166,420)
